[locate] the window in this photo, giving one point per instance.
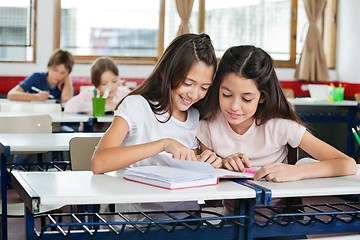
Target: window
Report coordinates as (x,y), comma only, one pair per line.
(17,21)
(277,26)
(265,24)
(110,28)
(139,30)
(172,20)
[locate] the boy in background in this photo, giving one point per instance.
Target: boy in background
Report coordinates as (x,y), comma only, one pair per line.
(55,83)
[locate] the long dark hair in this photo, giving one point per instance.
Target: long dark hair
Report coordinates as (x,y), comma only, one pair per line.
(252,63)
(172,68)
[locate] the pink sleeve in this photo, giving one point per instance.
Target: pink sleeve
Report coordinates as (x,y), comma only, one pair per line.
(80,103)
(121,93)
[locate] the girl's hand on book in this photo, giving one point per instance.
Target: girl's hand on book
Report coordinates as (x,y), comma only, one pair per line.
(210,157)
(236,162)
(278,172)
(178,150)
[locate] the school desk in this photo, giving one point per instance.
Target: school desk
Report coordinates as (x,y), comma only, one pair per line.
(57,117)
(349,221)
(313,111)
(63,118)
(87,188)
(23,143)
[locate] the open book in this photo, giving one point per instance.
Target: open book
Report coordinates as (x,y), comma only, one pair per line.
(181,174)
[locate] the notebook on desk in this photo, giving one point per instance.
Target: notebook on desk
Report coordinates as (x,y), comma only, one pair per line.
(181,174)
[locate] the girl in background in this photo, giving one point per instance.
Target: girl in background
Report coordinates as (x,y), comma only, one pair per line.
(104,75)
(159,118)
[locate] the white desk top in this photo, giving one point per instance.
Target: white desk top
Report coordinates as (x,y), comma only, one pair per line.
(56,116)
(106,118)
(311,102)
(7,101)
(315,187)
(40,142)
(84,187)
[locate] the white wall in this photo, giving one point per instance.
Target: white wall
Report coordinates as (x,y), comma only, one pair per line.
(346,56)
(348,41)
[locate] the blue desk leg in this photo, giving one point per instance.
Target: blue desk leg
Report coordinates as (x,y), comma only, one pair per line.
(89,126)
(3,225)
(245,207)
(29,220)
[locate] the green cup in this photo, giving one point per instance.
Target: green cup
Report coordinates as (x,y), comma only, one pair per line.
(98,107)
(338,94)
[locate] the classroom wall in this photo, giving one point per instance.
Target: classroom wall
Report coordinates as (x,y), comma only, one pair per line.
(346,71)
(348,47)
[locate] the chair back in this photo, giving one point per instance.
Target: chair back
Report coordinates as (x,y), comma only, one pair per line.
(81,150)
(289,93)
(26,124)
(357,97)
(31,107)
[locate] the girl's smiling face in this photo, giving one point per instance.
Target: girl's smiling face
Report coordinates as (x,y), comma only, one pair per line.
(239,98)
(194,88)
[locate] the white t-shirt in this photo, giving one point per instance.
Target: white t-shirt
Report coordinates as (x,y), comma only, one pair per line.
(144,127)
(262,144)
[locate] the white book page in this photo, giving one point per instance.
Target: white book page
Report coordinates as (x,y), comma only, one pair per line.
(199,167)
(167,174)
(227,173)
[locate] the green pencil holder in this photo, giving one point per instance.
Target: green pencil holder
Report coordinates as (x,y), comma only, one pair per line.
(338,94)
(98,107)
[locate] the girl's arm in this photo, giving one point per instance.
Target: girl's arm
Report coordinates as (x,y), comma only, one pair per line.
(18,94)
(67,91)
(80,103)
(110,155)
(331,163)
(209,156)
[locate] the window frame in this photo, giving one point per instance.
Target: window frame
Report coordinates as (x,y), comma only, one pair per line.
(33,33)
(330,47)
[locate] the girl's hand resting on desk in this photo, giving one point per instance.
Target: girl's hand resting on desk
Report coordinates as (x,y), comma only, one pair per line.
(178,150)
(236,162)
(210,157)
(278,172)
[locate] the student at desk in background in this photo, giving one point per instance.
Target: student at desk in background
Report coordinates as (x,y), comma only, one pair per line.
(104,75)
(248,122)
(157,119)
(55,83)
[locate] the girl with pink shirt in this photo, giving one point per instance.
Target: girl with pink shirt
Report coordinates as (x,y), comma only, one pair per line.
(248,122)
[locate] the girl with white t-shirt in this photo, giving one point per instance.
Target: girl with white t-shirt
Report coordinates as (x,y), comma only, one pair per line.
(157,120)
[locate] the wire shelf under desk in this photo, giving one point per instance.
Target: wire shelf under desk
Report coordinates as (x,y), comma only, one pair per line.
(97,225)
(299,220)
(307,219)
